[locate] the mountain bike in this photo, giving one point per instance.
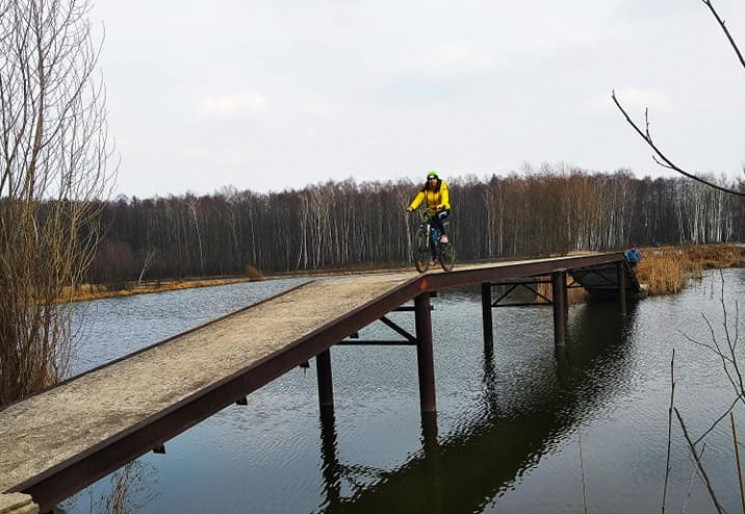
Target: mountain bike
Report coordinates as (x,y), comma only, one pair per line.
(427,245)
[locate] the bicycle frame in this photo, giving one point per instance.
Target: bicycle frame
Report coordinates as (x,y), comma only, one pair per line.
(438,251)
(425,221)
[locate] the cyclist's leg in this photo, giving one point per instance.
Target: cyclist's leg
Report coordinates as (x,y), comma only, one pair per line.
(439,222)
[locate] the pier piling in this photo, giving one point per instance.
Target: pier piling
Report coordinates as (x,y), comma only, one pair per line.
(424,353)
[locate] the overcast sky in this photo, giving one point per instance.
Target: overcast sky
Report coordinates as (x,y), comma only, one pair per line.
(278,94)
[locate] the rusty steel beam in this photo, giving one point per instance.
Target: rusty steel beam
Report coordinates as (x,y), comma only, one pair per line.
(621,273)
(68,477)
(377,342)
(558,289)
(526,285)
(486,315)
(325,380)
(476,275)
(425,354)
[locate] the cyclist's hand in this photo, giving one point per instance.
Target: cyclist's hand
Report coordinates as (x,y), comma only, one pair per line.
(440,207)
(409,209)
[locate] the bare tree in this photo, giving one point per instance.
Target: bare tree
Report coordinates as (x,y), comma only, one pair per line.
(659,156)
(704,208)
(147,261)
(53,155)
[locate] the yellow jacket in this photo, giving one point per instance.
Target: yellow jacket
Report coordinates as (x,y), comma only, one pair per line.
(435,197)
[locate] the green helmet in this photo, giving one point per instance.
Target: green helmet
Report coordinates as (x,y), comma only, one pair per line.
(432,174)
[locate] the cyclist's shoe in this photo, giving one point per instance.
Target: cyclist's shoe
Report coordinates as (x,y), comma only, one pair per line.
(444,238)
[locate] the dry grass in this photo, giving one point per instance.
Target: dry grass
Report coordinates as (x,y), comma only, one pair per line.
(667,269)
(574,294)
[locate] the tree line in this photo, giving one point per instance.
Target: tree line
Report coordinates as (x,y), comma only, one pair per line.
(348,224)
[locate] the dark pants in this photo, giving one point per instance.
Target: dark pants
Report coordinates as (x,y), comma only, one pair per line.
(438,221)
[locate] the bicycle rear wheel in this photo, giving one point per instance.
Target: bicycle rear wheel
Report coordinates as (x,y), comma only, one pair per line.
(447,256)
(422,253)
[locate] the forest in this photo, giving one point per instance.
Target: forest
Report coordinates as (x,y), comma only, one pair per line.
(334,225)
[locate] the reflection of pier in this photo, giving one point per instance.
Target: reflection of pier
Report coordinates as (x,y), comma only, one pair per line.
(465,471)
(59,441)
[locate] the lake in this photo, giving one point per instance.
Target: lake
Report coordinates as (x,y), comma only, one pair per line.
(522,427)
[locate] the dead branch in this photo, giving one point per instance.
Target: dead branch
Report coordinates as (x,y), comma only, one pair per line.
(669,429)
(721,23)
(699,464)
(660,158)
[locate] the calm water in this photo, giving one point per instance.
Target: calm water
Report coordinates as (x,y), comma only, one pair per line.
(521,429)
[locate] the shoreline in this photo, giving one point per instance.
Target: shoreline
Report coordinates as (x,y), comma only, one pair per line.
(666,269)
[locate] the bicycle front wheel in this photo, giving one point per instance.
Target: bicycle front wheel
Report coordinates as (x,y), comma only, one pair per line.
(447,256)
(422,253)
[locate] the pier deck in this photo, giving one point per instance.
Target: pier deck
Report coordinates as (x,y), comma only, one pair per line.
(58,441)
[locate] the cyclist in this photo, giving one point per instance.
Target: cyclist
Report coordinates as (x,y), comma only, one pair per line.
(435,192)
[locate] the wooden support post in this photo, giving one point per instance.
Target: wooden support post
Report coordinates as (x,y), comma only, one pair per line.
(558,287)
(621,273)
(487,315)
(325,382)
(425,354)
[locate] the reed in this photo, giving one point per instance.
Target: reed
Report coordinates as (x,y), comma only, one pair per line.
(667,269)
(575,294)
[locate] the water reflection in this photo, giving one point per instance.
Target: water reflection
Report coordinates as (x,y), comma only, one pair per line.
(330,468)
(490,404)
(131,488)
(506,432)
(464,470)
(432,463)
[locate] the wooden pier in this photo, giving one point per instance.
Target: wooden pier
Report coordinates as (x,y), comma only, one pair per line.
(57,442)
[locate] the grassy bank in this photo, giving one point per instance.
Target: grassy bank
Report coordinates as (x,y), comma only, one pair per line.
(667,269)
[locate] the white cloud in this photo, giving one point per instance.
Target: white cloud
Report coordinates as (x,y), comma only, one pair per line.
(385,87)
(233,106)
(322,110)
(456,58)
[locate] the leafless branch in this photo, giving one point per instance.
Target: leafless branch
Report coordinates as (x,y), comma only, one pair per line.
(716,422)
(709,347)
(699,464)
(660,158)
(669,430)
(735,375)
(53,171)
(585,499)
(722,24)
(737,460)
